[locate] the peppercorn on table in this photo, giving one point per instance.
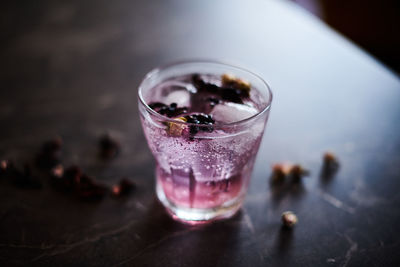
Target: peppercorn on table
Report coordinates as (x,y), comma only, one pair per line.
(324,190)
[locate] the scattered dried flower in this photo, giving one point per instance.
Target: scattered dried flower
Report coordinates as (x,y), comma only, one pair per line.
(330,165)
(279,172)
(176,129)
(297,172)
(289,219)
(230,80)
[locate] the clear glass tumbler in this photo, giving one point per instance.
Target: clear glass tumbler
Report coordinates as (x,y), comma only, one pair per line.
(201,177)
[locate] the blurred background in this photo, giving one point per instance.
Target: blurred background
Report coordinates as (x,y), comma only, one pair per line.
(372,24)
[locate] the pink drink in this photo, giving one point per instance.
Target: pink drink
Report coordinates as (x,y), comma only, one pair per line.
(204,138)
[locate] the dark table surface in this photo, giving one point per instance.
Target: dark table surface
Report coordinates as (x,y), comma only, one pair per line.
(71,68)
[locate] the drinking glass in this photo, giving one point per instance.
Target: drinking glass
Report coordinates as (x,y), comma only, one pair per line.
(204,177)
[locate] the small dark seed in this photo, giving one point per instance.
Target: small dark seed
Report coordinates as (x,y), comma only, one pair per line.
(201,119)
(193,129)
(109,147)
(170,111)
(330,165)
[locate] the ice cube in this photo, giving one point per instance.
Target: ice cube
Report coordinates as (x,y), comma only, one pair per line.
(169,86)
(231,112)
(180,97)
(174,92)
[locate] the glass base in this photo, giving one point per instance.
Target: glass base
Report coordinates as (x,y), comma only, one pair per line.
(199,216)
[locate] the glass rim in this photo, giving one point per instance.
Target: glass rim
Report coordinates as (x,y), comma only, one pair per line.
(158,69)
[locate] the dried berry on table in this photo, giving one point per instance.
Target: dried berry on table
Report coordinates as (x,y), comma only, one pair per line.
(330,165)
(289,219)
(124,187)
(74,179)
(279,172)
(87,189)
(109,147)
(297,172)
(50,153)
